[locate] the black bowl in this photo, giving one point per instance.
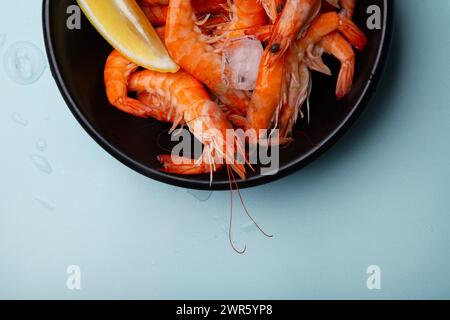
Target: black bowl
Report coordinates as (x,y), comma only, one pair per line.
(77,58)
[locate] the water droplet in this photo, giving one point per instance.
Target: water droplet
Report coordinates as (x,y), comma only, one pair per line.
(24,63)
(2,39)
(41,163)
(45,203)
(202,196)
(41,145)
(17,118)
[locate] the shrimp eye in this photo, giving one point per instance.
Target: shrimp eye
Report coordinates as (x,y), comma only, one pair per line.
(279,8)
(275,48)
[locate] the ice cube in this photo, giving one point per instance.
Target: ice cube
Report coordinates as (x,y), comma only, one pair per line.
(240,63)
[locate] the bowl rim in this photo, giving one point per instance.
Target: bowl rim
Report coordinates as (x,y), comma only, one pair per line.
(184,181)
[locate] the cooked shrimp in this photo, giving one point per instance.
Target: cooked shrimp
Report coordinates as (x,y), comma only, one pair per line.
(210,6)
(245,14)
(267,96)
(190,49)
(156,14)
(162,108)
(295,17)
(296,90)
(329,22)
(323,33)
(154,2)
(347,8)
(262,33)
(247,18)
(336,45)
(266,99)
(116,74)
(272,8)
(191,105)
(156,10)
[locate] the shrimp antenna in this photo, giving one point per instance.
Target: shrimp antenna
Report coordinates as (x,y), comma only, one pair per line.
(230,228)
(158,140)
(246,210)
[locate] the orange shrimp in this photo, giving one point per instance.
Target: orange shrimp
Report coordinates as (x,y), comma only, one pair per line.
(322,32)
(296,90)
(347,6)
(212,22)
(329,22)
(192,106)
(262,33)
(336,45)
(296,15)
(266,99)
(191,50)
(267,96)
(162,108)
(210,6)
(200,6)
(245,14)
(272,8)
(154,2)
(298,83)
(247,18)
(156,10)
(155,14)
(116,74)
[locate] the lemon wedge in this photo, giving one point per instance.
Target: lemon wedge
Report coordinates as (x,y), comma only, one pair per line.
(123,24)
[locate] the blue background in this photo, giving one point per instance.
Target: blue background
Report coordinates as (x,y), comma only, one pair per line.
(379,197)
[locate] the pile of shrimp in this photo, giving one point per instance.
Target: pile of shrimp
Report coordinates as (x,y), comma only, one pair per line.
(294,34)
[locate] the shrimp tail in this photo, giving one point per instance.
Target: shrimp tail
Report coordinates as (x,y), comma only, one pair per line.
(314,60)
(345,78)
(352,33)
(338,46)
(116,76)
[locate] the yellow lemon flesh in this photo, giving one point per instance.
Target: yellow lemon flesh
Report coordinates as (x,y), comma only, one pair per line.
(123,24)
